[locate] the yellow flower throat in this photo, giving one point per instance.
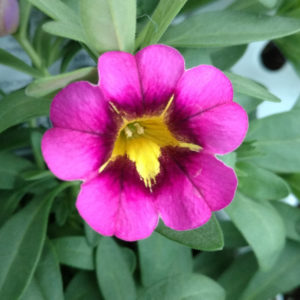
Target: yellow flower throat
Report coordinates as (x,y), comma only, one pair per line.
(141,140)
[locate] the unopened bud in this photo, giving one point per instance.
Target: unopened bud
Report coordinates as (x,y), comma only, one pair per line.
(9,16)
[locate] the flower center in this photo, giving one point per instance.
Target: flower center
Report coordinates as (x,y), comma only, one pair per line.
(141,141)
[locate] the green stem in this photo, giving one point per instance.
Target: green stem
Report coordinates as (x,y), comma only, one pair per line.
(36,60)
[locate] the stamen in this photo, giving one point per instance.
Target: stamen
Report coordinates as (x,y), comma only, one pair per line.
(168,106)
(139,128)
(128,132)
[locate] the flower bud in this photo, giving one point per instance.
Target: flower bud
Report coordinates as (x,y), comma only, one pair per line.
(9,16)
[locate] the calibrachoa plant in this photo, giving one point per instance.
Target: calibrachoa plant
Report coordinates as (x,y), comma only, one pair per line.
(136,159)
(144,142)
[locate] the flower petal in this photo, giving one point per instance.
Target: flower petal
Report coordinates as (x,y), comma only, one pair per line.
(199,89)
(160,68)
(81,106)
(180,204)
(119,80)
(216,182)
(218,130)
(113,204)
(74,155)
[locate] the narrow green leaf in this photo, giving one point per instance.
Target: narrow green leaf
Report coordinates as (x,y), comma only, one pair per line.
(12,61)
(9,199)
(47,277)
(228,28)
(250,88)
(74,251)
(21,243)
(36,139)
(51,84)
(277,138)
(284,276)
(83,286)
(248,103)
(56,9)
(257,221)
(17,108)
(65,30)
(291,219)
(160,258)
(162,17)
(261,184)
(235,279)
(208,237)
(10,168)
(114,276)
(185,286)
(109,24)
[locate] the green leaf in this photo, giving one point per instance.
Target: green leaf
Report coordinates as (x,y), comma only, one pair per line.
(232,236)
(17,108)
(208,237)
(294,182)
(21,243)
(114,276)
(261,184)
(161,18)
(250,88)
(51,84)
(185,286)
(283,277)
(47,280)
(248,103)
(228,28)
(130,258)
(291,219)
(36,139)
(92,237)
(213,264)
(65,30)
(257,220)
(75,252)
(12,61)
(194,57)
(10,167)
(160,258)
(225,58)
(277,138)
(235,279)
(14,138)
(66,19)
(83,286)
(109,24)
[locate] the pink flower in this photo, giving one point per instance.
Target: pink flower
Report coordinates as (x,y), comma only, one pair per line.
(9,16)
(143,141)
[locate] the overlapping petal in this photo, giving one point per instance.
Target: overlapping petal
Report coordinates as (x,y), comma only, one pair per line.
(215,181)
(120,82)
(199,89)
(220,129)
(160,68)
(117,203)
(181,205)
(74,155)
(81,106)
